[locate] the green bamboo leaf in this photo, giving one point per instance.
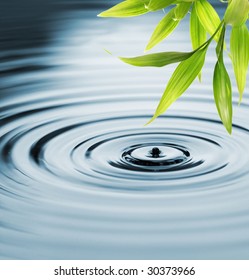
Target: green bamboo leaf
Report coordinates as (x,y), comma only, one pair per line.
(181,79)
(222,87)
(239,47)
(155,5)
(163,29)
(182,9)
(223,95)
(220,45)
(180,1)
(166,25)
(157,59)
(237,12)
(145,2)
(197,31)
(128,8)
(208,17)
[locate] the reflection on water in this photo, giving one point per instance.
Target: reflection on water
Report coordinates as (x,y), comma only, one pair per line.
(80,176)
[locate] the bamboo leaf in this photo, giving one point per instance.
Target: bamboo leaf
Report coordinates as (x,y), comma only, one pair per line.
(237,12)
(163,29)
(155,5)
(181,10)
(239,47)
(145,2)
(220,45)
(197,31)
(222,87)
(128,8)
(208,17)
(166,26)
(223,95)
(157,59)
(181,79)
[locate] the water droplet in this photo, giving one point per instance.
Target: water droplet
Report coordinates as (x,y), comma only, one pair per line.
(155,152)
(150,158)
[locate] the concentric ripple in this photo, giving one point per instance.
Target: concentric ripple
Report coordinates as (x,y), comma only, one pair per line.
(154,157)
(118,152)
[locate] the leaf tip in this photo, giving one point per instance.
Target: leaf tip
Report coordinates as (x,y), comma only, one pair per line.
(123,59)
(151,120)
(229,129)
(147,48)
(240,99)
(200,77)
(107,51)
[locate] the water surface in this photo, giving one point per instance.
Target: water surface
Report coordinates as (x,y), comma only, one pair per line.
(81,176)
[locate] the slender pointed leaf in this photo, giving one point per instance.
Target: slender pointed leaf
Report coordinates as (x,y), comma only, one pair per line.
(181,79)
(220,45)
(208,17)
(237,12)
(197,31)
(128,8)
(180,1)
(163,29)
(182,9)
(239,47)
(223,95)
(155,5)
(222,87)
(166,26)
(145,2)
(157,59)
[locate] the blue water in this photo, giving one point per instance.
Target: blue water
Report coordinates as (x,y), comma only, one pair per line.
(80,175)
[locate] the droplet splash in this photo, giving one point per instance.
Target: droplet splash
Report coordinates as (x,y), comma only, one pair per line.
(155,152)
(164,157)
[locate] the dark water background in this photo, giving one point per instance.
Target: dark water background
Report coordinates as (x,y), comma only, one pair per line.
(78,177)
